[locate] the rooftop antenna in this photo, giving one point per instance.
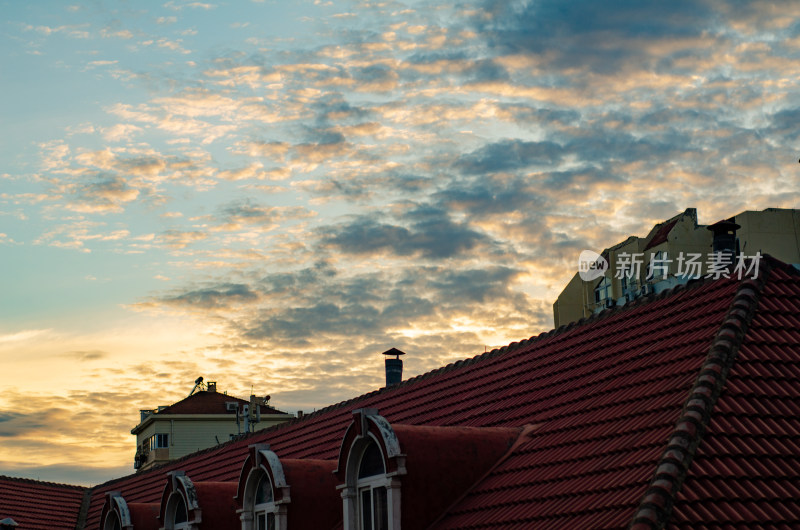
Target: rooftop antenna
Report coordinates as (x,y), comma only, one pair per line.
(197,383)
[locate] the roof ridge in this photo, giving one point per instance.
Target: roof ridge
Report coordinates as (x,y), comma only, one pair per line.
(44,482)
(655,508)
(86,503)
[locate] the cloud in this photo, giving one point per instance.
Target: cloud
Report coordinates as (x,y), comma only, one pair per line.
(22,335)
(247,213)
(784,123)
(510,155)
(176,5)
(104,195)
(76,234)
(86,355)
(216,297)
(604,38)
(179,239)
(5,239)
(432,234)
(252,171)
(72,474)
(324,302)
(485,196)
(121,131)
(274,150)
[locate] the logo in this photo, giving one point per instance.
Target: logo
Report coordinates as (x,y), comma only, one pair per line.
(591,265)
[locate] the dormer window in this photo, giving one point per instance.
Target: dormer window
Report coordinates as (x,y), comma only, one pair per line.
(177,514)
(263,497)
(264,505)
(372,494)
(371,467)
(119,515)
(183,501)
(263,491)
(112,522)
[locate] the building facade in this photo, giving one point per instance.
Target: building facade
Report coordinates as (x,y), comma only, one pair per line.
(675,252)
(204,419)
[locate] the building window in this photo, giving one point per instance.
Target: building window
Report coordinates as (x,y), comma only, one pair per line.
(264,506)
(602,293)
(373,505)
(162,441)
(177,515)
(659,266)
(159,441)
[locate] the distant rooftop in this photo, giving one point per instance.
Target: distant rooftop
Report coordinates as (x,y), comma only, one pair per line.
(205,402)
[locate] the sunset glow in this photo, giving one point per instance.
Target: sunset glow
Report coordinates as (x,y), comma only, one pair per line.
(270,193)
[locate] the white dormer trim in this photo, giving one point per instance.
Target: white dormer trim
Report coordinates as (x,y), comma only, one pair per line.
(267,466)
(380,492)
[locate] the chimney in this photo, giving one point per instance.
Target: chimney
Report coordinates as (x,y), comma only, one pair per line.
(211,386)
(394,367)
(725,238)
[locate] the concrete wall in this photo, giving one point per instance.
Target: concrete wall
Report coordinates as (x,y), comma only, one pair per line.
(772,231)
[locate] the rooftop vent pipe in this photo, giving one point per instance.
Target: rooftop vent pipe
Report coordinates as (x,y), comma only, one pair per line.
(394,367)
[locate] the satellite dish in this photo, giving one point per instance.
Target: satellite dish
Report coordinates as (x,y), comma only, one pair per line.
(198,380)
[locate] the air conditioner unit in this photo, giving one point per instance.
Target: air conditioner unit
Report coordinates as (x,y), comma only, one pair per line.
(231,406)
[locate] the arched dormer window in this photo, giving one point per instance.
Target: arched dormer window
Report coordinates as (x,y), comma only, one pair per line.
(116,515)
(371,466)
(112,522)
(263,491)
(180,503)
(119,515)
(264,505)
(373,509)
(177,515)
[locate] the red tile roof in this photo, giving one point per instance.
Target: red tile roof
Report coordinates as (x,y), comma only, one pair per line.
(205,402)
(661,235)
(40,505)
(619,405)
(746,472)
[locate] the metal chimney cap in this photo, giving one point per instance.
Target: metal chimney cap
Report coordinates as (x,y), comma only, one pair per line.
(394,351)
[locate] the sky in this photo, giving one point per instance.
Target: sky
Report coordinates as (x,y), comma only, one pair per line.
(269,194)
